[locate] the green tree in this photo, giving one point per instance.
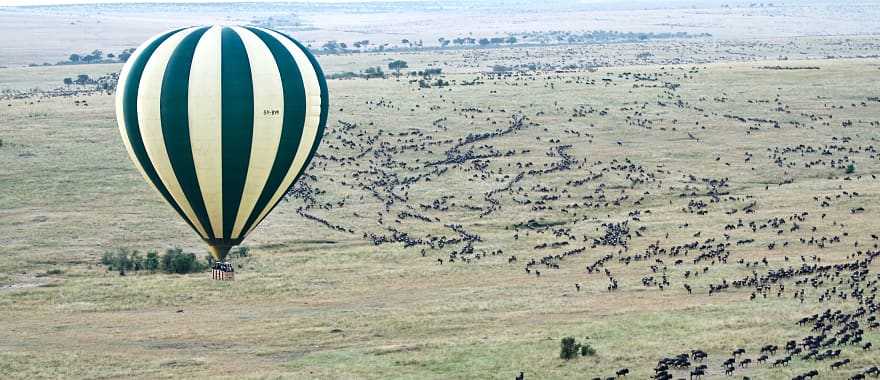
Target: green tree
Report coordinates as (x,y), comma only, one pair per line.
(568,348)
(374,72)
(151,262)
(330,46)
(122,260)
(137,262)
(176,261)
(397,65)
(587,350)
(83,79)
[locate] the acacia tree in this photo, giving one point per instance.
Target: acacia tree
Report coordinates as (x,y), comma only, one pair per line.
(397,65)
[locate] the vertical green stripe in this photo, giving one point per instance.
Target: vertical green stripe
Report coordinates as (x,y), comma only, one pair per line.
(292,127)
(132,127)
(325,98)
(237,99)
(174,112)
(325,108)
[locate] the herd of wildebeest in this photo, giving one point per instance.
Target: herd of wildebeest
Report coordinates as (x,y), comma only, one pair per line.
(482,195)
(465,173)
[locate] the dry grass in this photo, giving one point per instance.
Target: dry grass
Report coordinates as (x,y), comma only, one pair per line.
(313,303)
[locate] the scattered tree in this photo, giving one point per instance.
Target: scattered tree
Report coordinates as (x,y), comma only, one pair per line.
(568,348)
(396,65)
(151,263)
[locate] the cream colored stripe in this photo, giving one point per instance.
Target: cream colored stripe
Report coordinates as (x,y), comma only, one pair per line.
(268,121)
(150,120)
(310,129)
(205,125)
(120,110)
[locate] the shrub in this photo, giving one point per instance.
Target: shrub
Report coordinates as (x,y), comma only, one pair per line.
(151,263)
(136,261)
(119,259)
(177,261)
(850,169)
(241,251)
(587,350)
(168,257)
(396,65)
(182,263)
(568,348)
(107,259)
(343,75)
(173,261)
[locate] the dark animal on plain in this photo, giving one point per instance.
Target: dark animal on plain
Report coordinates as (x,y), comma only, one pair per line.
(839,364)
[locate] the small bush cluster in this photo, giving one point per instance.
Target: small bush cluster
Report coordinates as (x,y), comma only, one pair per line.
(570,348)
(369,72)
(173,261)
(240,252)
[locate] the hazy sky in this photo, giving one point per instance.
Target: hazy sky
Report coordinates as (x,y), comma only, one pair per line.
(47,2)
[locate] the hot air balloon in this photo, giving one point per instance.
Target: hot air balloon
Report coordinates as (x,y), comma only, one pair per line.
(222,120)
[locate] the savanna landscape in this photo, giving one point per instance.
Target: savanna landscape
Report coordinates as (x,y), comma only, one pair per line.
(650,190)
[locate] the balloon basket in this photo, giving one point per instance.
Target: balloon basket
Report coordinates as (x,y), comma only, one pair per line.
(223,271)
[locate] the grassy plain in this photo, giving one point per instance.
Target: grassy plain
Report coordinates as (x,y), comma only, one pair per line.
(312,302)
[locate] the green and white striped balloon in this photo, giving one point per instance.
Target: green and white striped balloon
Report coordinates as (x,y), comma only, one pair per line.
(222,120)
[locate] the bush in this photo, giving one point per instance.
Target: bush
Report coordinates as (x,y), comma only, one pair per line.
(151,263)
(850,169)
(173,261)
(136,261)
(177,261)
(569,348)
(397,65)
(107,259)
(587,350)
(241,251)
(343,75)
(119,259)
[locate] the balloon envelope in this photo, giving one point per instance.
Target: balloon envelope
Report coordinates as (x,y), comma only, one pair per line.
(222,120)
